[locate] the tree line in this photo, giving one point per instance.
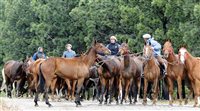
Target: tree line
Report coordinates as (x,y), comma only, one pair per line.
(27,24)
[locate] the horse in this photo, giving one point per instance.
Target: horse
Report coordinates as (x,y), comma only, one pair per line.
(131,72)
(70,69)
(109,74)
(32,70)
(13,71)
(151,73)
(192,65)
(175,71)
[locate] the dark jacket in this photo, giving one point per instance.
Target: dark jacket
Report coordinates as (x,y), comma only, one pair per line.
(38,55)
(114,48)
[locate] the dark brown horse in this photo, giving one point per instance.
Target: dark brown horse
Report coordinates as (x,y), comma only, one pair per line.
(70,69)
(13,71)
(131,73)
(192,65)
(151,73)
(175,71)
(109,74)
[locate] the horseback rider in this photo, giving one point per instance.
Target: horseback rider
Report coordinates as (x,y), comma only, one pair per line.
(149,40)
(39,54)
(69,53)
(113,46)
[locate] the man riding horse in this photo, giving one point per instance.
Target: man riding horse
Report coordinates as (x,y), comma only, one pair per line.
(149,40)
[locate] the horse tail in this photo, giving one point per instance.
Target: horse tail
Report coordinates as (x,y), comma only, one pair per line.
(41,80)
(3,86)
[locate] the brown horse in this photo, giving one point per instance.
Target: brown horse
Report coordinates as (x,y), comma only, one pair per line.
(175,71)
(151,73)
(70,69)
(131,72)
(109,75)
(192,65)
(33,73)
(13,71)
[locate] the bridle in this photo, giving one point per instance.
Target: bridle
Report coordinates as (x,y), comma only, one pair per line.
(170,50)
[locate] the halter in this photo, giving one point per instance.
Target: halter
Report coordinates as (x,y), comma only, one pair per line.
(169,49)
(171,52)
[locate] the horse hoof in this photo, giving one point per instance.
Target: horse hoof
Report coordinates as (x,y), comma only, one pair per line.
(79,103)
(186,102)
(49,105)
(117,103)
(154,104)
(195,105)
(36,105)
(144,103)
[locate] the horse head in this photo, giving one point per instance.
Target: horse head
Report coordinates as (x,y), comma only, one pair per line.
(167,49)
(182,54)
(123,49)
(26,64)
(148,52)
(100,48)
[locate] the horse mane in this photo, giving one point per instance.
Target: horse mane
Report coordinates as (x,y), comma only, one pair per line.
(87,52)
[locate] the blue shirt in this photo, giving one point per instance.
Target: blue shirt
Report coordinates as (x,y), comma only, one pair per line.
(155,45)
(69,54)
(38,55)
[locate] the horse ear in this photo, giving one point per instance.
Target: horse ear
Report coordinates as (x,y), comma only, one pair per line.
(182,46)
(94,41)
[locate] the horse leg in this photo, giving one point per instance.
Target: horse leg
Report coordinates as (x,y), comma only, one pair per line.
(68,88)
(137,92)
(36,98)
(79,85)
(170,86)
(110,92)
(18,87)
(145,91)
(46,89)
(190,94)
(127,87)
(73,89)
(155,91)
(53,89)
(103,85)
(13,92)
(179,81)
(139,86)
(46,96)
(120,89)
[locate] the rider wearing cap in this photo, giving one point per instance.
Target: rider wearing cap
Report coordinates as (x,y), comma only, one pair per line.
(149,40)
(39,54)
(69,53)
(113,46)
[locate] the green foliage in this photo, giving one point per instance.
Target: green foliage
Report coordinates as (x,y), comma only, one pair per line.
(27,24)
